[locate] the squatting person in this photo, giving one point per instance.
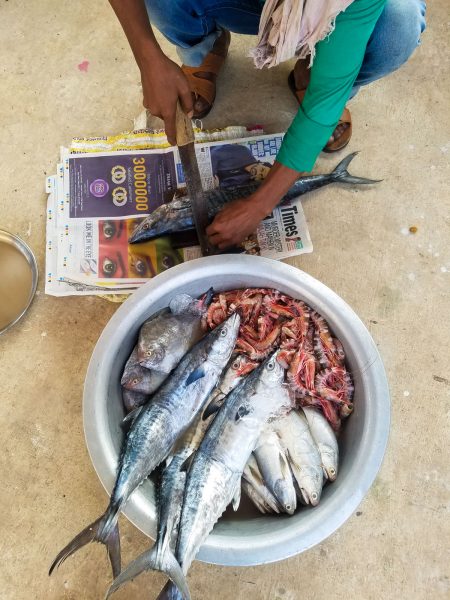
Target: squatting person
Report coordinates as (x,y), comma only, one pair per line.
(370,39)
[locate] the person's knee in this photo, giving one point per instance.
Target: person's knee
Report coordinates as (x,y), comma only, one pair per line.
(406,20)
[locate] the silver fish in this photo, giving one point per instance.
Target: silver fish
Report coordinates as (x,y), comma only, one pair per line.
(238,368)
(213,480)
(259,501)
(275,470)
(164,340)
(133,400)
(154,430)
(261,494)
(140,379)
(177,215)
(303,455)
(326,441)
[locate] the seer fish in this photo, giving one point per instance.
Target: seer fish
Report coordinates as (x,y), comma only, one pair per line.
(170,500)
(326,441)
(154,430)
(213,479)
(164,340)
(133,400)
(177,215)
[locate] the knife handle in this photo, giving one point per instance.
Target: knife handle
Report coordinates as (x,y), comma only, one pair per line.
(185,132)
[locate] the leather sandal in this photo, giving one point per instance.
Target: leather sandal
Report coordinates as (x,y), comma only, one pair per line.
(346,117)
(206,88)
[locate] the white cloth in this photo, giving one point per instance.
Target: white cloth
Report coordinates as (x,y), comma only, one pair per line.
(291,28)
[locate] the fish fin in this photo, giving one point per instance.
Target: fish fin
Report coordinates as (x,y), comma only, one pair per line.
(209,295)
(170,592)
(284,465)
(98,531)
(187,463)
(211,409)
(131,417)
(196,374)
(241,412)
(237,497)
(341,175)
(153,560)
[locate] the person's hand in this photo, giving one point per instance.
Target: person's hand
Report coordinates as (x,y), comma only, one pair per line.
(235,222)
(163,84)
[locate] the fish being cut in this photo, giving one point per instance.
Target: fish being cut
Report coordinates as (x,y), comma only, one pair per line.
(177,215)
(156,428)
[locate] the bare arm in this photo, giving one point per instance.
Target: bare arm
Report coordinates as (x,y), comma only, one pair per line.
(163,82)
(241,217)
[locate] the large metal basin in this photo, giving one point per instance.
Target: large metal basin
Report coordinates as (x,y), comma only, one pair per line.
(245,539)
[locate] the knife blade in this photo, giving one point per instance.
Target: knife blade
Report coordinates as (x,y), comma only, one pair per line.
(185,143)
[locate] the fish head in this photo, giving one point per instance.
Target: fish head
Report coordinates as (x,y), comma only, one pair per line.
(285,494)
(132,380)
(273,372)
(183,303)
(329,464)
(311,490)
(153,355)
(151,226)
(222,340)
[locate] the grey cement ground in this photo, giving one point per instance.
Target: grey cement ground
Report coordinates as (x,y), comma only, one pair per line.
(397,545)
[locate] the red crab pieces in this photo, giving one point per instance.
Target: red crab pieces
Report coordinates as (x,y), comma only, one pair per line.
(335,384)
(313,359)
(302,371)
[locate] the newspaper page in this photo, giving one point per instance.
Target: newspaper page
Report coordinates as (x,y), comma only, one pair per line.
(98,196)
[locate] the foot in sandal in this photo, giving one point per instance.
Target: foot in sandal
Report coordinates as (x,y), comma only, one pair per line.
(202,79)
(298,82)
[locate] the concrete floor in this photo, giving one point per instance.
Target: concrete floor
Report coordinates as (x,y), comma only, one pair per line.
(397,545)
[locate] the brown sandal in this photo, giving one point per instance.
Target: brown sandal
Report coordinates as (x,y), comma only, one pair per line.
(346,117)
(202,87)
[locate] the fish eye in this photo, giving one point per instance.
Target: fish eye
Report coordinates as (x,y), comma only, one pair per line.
(135,381)
(271,366)
(235,365)
(146,226)
(224,332)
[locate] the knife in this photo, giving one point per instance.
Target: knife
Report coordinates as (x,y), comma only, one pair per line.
(185,143)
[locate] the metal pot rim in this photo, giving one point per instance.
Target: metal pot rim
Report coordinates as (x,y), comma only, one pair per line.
(25,250)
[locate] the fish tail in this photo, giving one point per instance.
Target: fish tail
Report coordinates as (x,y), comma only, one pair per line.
(104,530)
(155,560)
(170,592)
(341,175)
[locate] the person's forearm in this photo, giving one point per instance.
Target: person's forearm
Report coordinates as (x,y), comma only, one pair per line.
(277,183)
(134,20)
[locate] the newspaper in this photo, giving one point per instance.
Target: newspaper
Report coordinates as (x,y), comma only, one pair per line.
(104,186)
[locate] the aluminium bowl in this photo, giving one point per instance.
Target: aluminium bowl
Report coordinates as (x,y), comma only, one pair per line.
(16,242)
(249,539)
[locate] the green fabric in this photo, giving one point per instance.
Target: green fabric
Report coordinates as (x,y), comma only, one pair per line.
(336,65)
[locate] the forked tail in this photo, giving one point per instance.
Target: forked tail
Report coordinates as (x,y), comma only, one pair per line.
(156,559)
(170,592)
(341,175)
(98,531)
